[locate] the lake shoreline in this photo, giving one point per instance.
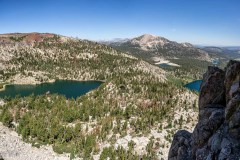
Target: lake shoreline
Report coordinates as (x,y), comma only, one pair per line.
(91,80)
(68,88)
(3,88)
(168,63)
(194,85)
(50,81)
(159,61)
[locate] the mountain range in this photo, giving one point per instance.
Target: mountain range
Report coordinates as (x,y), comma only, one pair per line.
(148,46)
(223,52)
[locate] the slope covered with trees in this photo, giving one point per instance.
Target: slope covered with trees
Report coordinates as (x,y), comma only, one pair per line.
(132,115)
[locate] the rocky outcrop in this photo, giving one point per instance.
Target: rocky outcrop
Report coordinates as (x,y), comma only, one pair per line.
(1,158)
(217,133)
(180,145)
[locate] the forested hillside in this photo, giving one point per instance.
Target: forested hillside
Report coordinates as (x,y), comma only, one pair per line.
(132,115)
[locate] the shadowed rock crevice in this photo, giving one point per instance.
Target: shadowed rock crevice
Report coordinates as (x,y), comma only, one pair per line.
(217,133)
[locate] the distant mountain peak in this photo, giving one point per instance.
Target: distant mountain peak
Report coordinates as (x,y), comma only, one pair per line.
(148,45)
(149,36)
(148,41)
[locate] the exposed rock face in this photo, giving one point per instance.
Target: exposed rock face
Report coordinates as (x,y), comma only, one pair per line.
(1,158)
(180,145)
(217,134)
(212,88)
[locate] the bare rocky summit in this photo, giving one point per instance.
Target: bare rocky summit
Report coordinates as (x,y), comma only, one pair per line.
(217,133)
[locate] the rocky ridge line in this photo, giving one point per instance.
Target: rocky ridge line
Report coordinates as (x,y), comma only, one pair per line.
(217,134)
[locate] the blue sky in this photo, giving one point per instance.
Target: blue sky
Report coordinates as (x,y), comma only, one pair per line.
(207,22)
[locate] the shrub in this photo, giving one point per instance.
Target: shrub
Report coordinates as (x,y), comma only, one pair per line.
(6,118)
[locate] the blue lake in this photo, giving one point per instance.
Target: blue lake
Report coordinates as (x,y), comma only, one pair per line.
(70,89)
(195,85)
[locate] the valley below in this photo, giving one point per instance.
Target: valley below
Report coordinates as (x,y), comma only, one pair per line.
(102,102)
(119,80)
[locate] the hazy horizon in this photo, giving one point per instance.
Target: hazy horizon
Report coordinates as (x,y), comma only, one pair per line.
(209,23)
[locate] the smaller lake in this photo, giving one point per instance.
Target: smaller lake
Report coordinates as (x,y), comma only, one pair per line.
(164,65)
(68,88)
(195,85)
